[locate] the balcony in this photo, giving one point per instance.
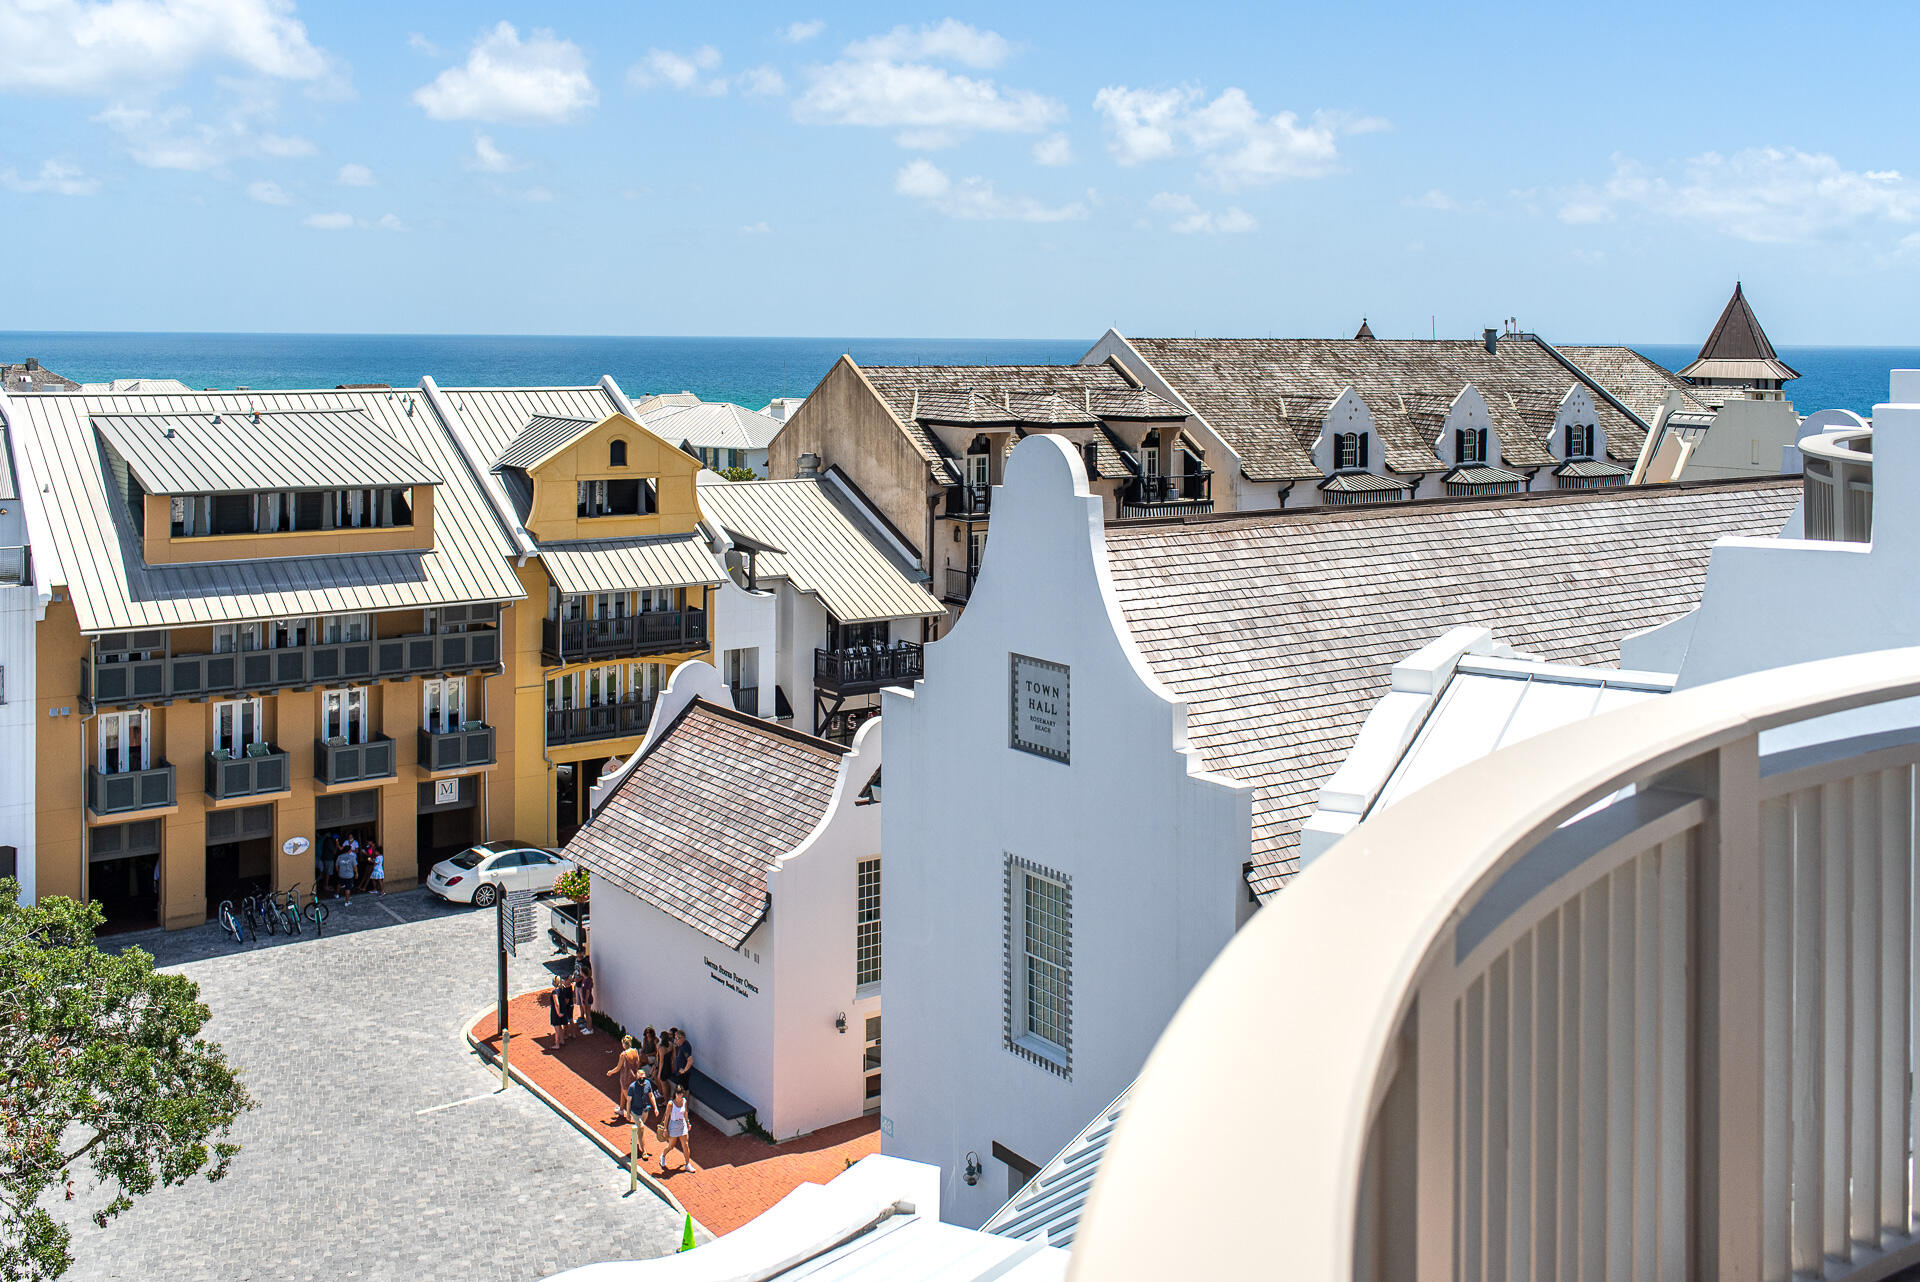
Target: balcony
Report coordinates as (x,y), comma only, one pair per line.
(746,699)
(261,771)
(341,762)
(127,791)
(960,584)
(1634,997)
(1168,495)
(636,635)
(1837,481)
(604,721)
(460,749)
(969,502)
(204,676)
(864,669)
(16,566)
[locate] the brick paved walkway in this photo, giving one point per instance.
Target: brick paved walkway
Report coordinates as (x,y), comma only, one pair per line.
(734,1177)
(381,1148)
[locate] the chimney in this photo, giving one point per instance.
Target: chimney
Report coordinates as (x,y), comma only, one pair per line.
(1491,337)
(807,465)
(33,362)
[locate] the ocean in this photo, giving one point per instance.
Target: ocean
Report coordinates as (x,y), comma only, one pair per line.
(748,371)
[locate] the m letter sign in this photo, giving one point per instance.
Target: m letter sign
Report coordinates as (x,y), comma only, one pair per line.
(1040,697)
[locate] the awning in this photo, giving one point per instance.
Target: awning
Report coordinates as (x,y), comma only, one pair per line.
(1359,483)
(626,565)
(1590,468)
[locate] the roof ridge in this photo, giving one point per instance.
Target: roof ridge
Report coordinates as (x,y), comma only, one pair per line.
(772,729)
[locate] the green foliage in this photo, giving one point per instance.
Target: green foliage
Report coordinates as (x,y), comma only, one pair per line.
(750,1125)
(608,1025)
(104,1072)
(574,884)
(740,474)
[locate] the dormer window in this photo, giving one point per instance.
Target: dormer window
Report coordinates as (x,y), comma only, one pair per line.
(1579,440)
(1350,452)
(979,461)
(1470,445)
(198,515)
(617,454)
(614,498)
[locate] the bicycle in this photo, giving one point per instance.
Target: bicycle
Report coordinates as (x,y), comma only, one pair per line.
(263,913)
(229,923)
(289,911)
(317,914)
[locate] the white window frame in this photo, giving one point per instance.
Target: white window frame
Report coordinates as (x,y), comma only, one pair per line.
(237,723)
(978,468)
(344,714)
(866,924)
(646,680)
(118,752)
(336,628)
(443,700)
(1038,972)
(659,600)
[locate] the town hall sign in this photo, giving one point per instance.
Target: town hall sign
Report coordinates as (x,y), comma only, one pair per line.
(1040,694)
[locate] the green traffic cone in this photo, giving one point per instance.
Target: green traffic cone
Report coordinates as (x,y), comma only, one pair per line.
(686,1235)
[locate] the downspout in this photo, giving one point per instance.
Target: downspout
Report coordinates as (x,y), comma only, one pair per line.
(1285,491)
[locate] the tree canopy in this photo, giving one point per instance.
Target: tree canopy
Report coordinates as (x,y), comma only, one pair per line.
(103,1072)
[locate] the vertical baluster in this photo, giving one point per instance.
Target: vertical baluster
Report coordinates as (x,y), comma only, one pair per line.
(1548,1104)
(1520,1129)
(1836,808)
(1645,871)
(1494,1248)
(1864,1094)
(1473,1056)
(1572,1104)
(1676,1193)
(1595,938)
(1437,1114)
(1896,889)
(1621,921)
(1776,977)
(1808,1080)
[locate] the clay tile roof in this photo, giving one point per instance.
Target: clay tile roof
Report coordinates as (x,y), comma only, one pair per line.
(695,827)
(1268,397)
(1280,629)
(1738,347)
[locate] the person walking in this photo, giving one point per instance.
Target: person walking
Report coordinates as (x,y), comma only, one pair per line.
(560,1010)
(344,868)
(650,1052)
(682,1071)
(583,994)
(679,1132)
(643,1102)
(627,1067)
(364,869)
(379,878)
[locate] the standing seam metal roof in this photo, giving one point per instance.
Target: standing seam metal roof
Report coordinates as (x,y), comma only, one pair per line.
(229,453)
(540,439)
(712,425)
(617,565)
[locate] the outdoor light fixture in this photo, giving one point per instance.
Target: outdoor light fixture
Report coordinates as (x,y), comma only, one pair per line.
(840,1021)
(972,1172)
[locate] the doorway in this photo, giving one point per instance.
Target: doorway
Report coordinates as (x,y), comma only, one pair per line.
(573,795)
(123,874)
(342,815)
(239,855)
(449,820)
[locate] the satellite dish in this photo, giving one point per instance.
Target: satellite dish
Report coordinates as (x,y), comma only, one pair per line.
(297,846)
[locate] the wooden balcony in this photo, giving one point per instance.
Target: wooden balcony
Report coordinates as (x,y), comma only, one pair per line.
(472,745)
(605,721)
(631,637)
(865,669)
(128,791)
(255,774)
(353,762)
(251,672)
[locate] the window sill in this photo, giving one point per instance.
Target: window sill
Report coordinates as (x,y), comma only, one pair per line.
(863,991)
(1042,1049)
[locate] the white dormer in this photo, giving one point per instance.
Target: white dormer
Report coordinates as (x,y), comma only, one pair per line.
(1467,436)
(1347,441)
(1576,430)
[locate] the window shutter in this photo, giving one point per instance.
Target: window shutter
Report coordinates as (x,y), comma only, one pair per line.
(1363,448)
(1483,455)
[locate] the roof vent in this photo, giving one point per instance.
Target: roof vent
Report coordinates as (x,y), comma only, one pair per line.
(1491,337)
(169,434)
(216,420)
(807,465)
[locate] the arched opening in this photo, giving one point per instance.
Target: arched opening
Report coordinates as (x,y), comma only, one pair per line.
(617,454)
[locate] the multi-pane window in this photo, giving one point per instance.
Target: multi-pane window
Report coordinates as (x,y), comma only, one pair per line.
(866,937)
(343,715)
(238,723)
(1579,440)
(336,628)
(126,741)
(1044,958)
(1470,446)
(1349,451)
(445,705)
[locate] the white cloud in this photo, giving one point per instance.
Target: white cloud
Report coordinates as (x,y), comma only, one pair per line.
(947,41)
(539,81)
(1237,146)
(268,193)
(100,46)
(420,44)
(1189,217)
(761,81)
(975,198)
(931,106)
(755,229)
(801,32)
(354,175)
(328,222)
(689,72)
(1054,149)
(1432,198)
(54,179)
(489,159)
(1767,195)
(284,147)
(391,222)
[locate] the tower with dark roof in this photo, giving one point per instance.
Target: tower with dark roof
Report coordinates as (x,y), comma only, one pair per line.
(1738,358)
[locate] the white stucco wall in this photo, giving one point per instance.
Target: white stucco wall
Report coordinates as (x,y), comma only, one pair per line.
(18,610)
(1151,845)
(744,620)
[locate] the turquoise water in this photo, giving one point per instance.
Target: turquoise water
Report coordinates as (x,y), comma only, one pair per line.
(750,371)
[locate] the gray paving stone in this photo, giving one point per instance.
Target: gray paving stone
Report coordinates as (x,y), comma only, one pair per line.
(380,1147)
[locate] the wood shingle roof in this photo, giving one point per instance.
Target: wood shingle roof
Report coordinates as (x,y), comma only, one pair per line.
(1280,629)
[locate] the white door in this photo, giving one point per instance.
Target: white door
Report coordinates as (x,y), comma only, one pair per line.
(237,723)
(446,705)
(977,466)
(126,741)
(343,714)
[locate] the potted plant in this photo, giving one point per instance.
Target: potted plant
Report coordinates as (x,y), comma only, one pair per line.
(574,884)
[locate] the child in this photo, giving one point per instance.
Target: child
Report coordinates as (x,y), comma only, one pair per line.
(379,878)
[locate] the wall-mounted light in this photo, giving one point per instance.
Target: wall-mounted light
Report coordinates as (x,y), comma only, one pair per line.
(956,532)
(840,1022)
(972,1173)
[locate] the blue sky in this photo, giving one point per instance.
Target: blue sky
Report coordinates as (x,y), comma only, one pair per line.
(987,170)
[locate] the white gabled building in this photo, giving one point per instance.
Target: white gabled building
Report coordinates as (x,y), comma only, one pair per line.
(736,894)
(22,603)
(1108,763)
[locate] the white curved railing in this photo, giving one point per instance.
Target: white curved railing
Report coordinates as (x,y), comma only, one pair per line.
(1837,480)
(1495,1034)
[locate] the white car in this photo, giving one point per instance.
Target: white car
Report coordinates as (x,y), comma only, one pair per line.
(478,874)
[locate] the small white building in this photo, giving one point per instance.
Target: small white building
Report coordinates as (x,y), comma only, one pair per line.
(736,895)
(718,433)
(22,604)
(1107,764)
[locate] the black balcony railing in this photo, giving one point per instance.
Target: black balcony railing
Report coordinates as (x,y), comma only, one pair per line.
(457,749)
(249,775)
(960,583)
(863,669)
(126,791)
(602,721)
(198,676)
(353,762)
(1157,491)
(746,699)
(652,632)
(969,500)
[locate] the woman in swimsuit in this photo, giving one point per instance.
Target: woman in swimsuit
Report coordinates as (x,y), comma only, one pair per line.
(678,1132)
(628,1067)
